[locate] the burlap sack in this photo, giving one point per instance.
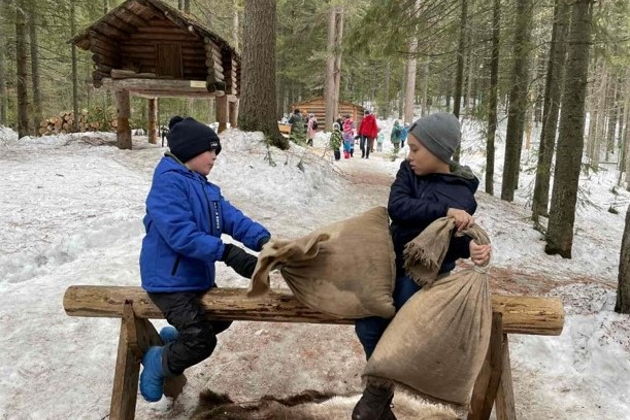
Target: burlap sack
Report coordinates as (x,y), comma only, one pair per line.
(346,269)
(437,342)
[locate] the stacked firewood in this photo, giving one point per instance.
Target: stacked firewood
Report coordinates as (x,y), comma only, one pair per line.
(64,123)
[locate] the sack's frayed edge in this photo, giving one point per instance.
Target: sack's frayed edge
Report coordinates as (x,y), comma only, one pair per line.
(461,410)
(415,255)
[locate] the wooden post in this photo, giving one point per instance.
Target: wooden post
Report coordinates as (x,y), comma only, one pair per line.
(487,384)
(123,131)
(505,409)
(233,105)
(123,404)
(222,111)
(153,118)
(136,336)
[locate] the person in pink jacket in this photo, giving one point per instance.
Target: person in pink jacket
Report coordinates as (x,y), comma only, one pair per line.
(312,129)
(368,130)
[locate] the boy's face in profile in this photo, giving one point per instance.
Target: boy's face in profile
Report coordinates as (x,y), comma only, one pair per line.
(202,163)
(421,160)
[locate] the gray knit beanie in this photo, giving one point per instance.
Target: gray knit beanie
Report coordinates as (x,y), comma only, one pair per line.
(439,132)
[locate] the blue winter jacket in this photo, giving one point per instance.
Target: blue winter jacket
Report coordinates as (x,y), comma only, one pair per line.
(186,216)
(416,201)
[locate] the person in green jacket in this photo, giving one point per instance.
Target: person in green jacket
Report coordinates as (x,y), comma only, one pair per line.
(335,140)
(396,136)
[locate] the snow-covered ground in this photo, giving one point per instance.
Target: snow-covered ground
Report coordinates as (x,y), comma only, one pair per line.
(71,214)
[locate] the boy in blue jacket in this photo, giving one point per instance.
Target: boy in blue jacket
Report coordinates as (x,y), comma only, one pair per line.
(428,186)
(185,218)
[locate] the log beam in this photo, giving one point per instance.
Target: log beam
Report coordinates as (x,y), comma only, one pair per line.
(520,314)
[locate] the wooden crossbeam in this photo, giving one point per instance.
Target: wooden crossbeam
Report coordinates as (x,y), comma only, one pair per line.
(520,314)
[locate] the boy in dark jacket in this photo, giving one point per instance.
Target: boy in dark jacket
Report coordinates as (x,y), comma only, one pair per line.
(428,186)
(186,216)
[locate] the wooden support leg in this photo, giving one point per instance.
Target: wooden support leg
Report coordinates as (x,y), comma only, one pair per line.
(153,132)
(505,409)
(123,404)
(222,111)
(123,131)
(233,113)
(136,336)
(487,384)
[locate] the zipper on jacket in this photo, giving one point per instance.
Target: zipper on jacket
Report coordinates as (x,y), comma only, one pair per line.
(174,270)
(217,217)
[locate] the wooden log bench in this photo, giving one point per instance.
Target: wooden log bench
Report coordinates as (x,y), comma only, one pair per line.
(511,315)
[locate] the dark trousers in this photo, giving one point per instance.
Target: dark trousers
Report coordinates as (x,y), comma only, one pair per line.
(197,335)
(369,145)
(362,145)
(369,330)
(337,154)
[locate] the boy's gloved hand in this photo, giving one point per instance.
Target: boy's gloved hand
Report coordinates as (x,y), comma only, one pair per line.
(240,260)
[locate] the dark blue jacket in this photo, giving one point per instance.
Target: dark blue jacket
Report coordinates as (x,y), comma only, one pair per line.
(186,216)
(416,201)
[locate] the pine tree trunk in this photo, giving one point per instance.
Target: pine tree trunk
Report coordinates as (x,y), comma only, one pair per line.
(235,26)
(21,67)
(461,49)
(492,96)
(339,37)
(518,99)
(571,136)
(622,305)
(592,113)
(459,78)
(410,87)
(3,78)
(37,93)
(470,56)
(386,111)
(258,95)
(602,102)
(333,61)
(425,88)
(401,95)
(553,90)
(612,120)
(75,76)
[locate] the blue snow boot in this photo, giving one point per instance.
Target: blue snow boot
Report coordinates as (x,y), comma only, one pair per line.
(152,376)
(168,334)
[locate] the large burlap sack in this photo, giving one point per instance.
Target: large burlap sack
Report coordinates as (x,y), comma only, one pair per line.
(436,344)
(346,269)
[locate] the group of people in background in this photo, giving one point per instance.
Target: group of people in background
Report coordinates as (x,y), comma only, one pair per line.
(303,127)
(345,133)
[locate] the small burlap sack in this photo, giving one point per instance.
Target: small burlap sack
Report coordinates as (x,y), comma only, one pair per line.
(437,342)
(346,269)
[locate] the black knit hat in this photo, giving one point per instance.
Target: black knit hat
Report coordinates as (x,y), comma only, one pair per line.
(188,138)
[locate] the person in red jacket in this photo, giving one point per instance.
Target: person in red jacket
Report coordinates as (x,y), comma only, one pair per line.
(368,130)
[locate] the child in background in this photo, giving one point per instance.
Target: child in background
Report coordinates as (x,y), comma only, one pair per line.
(335,140)
(348,137)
